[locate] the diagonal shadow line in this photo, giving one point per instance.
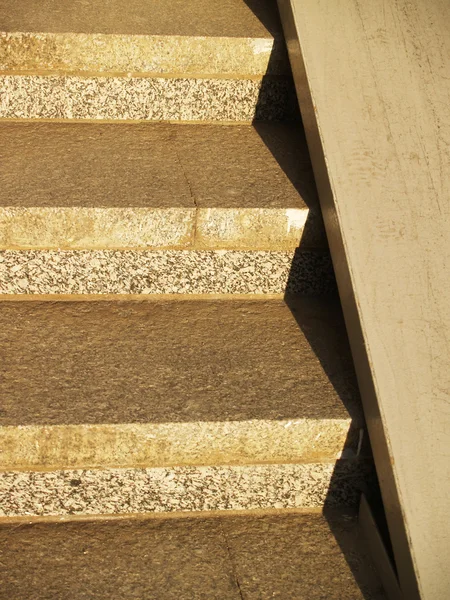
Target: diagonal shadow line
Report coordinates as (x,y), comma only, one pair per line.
(267,12)
(295,161)
(276,100)
(354,474)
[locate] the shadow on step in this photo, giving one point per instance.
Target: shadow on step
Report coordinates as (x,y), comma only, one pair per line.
(355,551)
(277,99)
(285,139)
(311,271)
(355,474)
(267,13)
(326,335)
(287,144)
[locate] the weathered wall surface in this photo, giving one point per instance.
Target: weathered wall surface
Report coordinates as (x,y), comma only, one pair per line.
(373,80)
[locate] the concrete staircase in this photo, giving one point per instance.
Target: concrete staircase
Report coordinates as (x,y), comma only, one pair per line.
(179,415)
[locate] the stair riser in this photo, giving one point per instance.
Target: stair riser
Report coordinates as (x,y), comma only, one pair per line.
(125,491)
(77,53)
(146,99)
(82,228)
(168,444)
(165,272)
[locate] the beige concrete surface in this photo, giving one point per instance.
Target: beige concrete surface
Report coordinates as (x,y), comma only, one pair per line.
(372,79)
(106,186)
(377,546)
(304,556)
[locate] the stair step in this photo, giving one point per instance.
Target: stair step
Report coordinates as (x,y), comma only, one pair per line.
(189,37)
(148,394)
(214,61)
(302,556)
(118,186)
(178,362)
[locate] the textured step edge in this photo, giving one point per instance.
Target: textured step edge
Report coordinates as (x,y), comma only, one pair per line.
(165,272)
(348,512)
(141,298)
(168,444)
(141,98)
(86,228)
(122,491)
(141,54)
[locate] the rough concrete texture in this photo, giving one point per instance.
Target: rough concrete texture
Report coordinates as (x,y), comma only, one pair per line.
(105,186)
(106,228)
(155,165)
(75,53)
(182,489)
(96,228)
(174,361)
(166,272)
(267,164)
(168,444)
(146,98)
(209,18)
(301,556)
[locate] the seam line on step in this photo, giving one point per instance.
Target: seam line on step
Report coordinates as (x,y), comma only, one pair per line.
(191,193)
(230,558)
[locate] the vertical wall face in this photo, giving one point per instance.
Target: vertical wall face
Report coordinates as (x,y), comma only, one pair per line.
(374,88)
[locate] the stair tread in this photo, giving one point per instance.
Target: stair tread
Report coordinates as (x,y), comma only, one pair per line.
(288,556)
(227,18)
(195,38)
(174,361)
(154,165)
(104,186)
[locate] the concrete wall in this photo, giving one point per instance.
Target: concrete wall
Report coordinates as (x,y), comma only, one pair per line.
(373,80)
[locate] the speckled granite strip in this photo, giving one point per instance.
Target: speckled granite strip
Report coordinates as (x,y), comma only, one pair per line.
(165,272)
(115,491)
(109,228)
(141,54)
(142,98)
(165,444)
